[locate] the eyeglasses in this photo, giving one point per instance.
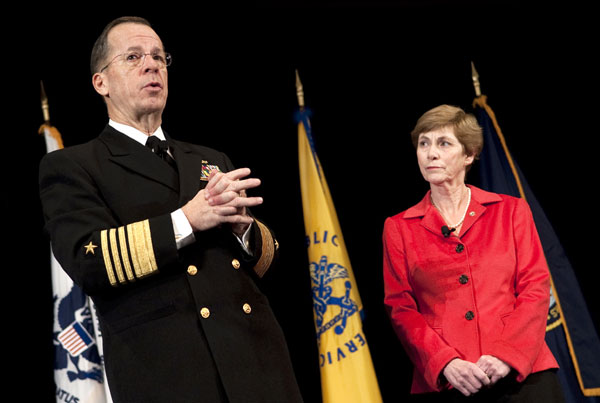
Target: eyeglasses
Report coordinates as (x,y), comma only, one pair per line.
(136,59)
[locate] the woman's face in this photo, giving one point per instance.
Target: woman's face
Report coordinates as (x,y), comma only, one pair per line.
(442,158)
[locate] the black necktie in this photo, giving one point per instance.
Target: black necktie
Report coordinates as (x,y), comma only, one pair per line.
(160,148)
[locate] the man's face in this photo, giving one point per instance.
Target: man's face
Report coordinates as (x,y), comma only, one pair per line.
(133,91)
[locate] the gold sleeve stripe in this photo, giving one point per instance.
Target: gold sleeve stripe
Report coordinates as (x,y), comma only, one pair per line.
(141,242)
(140,248)
(132,249)
(112,236)
(128,253)
(268,250)
(149,248)
(106,256)
(125,254)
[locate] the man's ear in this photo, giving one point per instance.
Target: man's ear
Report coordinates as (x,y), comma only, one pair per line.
(100,84)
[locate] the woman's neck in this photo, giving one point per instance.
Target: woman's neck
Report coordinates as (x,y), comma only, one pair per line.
(451,201)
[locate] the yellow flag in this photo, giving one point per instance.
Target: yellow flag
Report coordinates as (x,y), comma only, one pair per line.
(347,373)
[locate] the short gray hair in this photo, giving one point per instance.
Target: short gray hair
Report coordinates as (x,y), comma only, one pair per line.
(101,46)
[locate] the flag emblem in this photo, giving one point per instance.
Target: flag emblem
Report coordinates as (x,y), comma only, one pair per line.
(75,339)
(322,274)
(554,317)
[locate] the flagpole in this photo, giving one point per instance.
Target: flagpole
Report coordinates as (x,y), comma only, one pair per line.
(50,133)
(481,101)
(299,91)
(475,77)
(45,106)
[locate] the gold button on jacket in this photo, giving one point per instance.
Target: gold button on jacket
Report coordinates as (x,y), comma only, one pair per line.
(236,264)
(192,270)
(247,308)
(205,312)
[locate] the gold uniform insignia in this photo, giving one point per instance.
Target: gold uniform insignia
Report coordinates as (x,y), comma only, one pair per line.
(89,248)
(128,252)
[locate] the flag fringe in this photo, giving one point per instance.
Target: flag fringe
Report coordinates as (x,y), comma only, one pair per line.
(53,132)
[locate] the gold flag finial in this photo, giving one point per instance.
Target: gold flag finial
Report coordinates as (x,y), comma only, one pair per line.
(45,107)
(46,129)
(475,77)
(299,91)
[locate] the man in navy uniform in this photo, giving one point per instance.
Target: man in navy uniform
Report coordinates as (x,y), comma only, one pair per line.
(167,250)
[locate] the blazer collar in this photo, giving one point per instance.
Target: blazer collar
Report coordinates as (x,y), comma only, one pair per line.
(432,219)
(134,133)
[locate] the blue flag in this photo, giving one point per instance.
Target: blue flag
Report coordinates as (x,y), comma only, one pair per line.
(570,332)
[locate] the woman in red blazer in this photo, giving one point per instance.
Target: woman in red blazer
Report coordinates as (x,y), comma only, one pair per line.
(467,286)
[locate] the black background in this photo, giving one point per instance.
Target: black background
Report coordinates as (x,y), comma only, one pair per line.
(369,70)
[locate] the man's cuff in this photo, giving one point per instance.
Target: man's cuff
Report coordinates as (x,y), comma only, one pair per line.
(184,234)
(244,240)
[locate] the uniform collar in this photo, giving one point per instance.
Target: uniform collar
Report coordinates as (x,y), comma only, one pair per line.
(129,152)
(122,146)
(134,133)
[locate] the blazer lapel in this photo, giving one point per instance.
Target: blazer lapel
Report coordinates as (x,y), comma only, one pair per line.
(430,217)
(137,158)
(433,221)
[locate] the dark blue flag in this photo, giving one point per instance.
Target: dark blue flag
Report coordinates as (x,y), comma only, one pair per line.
(570,332)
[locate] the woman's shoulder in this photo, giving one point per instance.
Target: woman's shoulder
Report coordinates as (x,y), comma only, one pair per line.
(487,197)
(501,201)
(413,212)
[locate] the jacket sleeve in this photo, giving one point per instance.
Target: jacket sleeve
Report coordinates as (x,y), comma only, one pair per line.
(97,251)
(426,349)
(524,328)
(263,246)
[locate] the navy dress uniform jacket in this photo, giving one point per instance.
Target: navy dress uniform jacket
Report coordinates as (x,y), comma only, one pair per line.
(187,325)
